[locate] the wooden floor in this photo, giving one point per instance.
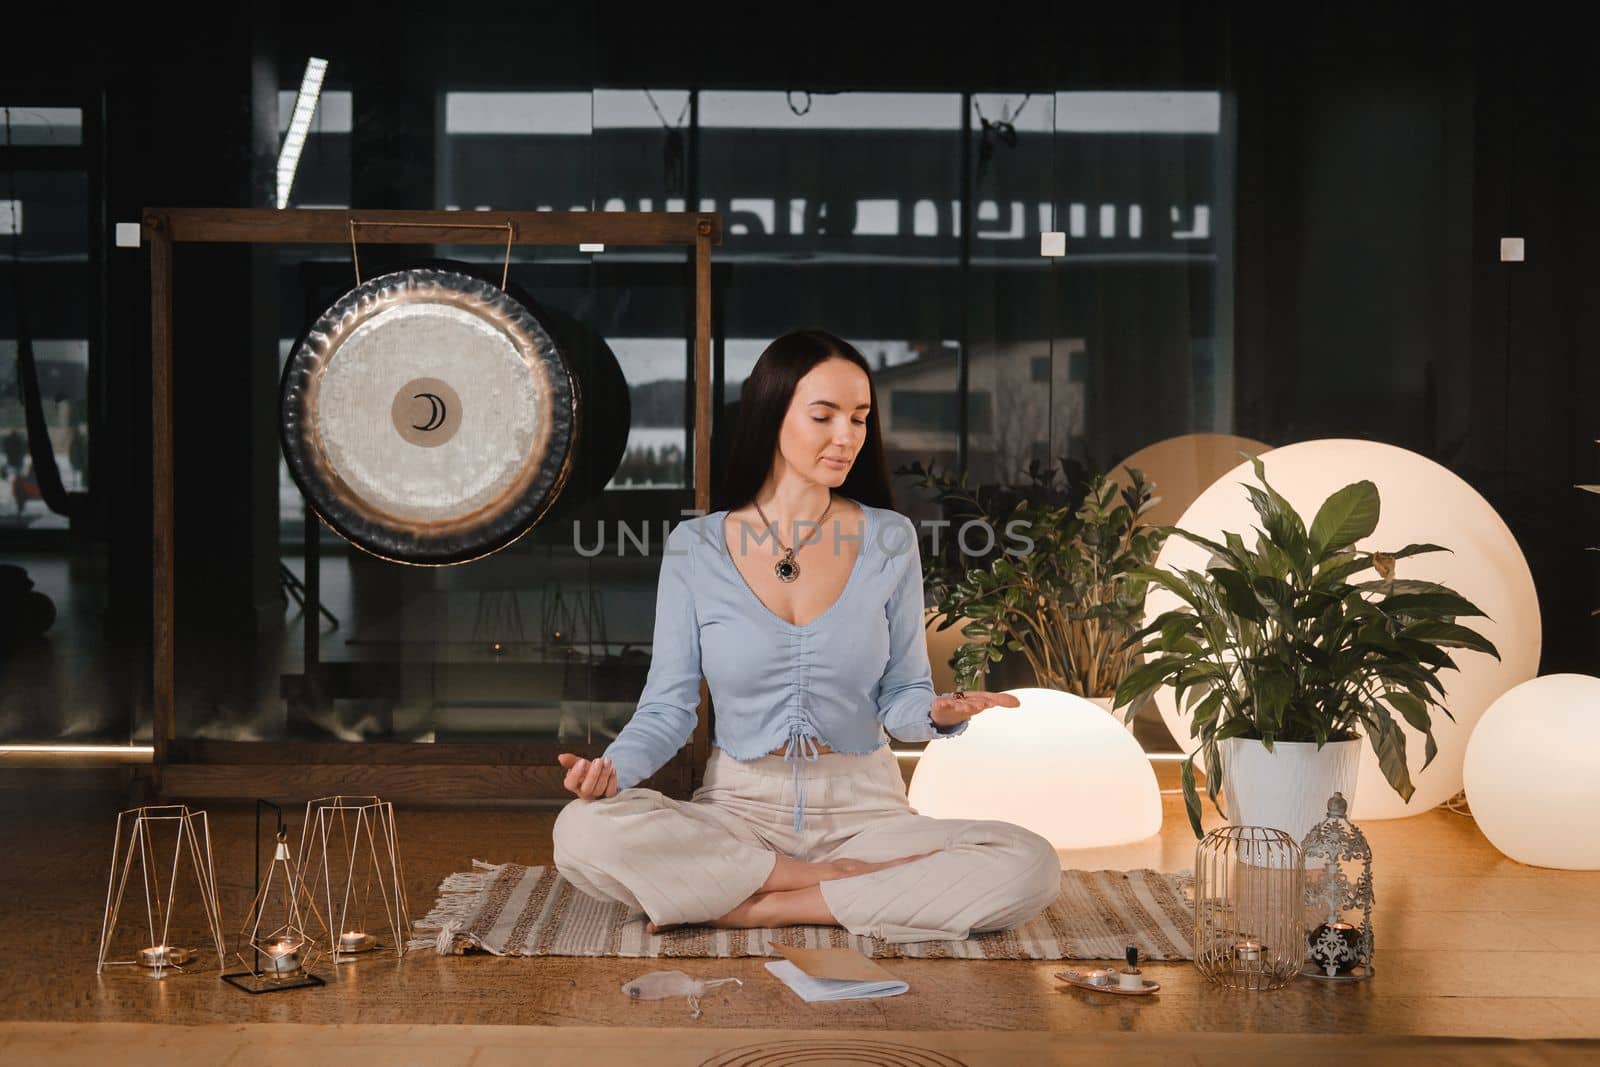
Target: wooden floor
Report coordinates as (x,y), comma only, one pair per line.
(1470,945)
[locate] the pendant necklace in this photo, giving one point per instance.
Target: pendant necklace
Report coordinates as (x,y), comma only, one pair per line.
(786,568)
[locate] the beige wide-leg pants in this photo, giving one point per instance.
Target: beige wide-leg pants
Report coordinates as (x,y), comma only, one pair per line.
(693,861)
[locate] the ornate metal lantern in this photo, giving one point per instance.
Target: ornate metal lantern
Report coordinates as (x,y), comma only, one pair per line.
(1338,897)
(1249,882)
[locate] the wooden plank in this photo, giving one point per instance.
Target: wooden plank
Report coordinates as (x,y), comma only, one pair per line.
(376,753)
(700,742)
(268,761)
(408,782)
(332,226)
(162,540)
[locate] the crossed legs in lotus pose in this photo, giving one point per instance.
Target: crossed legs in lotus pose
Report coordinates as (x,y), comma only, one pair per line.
(792,894)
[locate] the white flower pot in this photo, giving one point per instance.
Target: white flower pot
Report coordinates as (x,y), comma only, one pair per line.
(1287,788)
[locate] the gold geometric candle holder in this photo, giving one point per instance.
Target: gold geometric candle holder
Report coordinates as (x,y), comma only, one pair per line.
(282,936)
(147,837)
(350,855)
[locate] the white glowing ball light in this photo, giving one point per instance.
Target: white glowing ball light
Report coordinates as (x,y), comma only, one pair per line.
(1057,765)
(1533,772)
(1420,502)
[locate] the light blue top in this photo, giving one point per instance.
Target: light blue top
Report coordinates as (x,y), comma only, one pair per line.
(858,669)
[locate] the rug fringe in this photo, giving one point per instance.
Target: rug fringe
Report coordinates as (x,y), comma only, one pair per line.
(459,897)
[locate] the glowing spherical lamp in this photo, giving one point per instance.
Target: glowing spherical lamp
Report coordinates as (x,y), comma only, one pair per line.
(1533,772)
(1420,502)
(1057,765)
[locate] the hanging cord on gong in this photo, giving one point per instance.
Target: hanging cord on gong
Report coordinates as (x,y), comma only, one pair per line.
(508,226)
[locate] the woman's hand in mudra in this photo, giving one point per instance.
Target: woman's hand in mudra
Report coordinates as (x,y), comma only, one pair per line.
(952,709)
(590,779)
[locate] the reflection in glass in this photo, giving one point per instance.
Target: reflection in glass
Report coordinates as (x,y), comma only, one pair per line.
(1016,352)
(49,237)
(842,212)
(41,126)
(1142,295)
(522,150)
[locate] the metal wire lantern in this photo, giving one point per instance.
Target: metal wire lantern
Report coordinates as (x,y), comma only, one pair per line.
(350,859)
(1338,897)
(142,840)
(280,941)
(1248,891)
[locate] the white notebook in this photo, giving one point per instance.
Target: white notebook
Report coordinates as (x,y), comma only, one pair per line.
(815,989)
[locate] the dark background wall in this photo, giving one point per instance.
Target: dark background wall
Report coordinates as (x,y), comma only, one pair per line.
(1381,152)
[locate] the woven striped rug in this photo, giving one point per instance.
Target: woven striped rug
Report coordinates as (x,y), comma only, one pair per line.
(511,910)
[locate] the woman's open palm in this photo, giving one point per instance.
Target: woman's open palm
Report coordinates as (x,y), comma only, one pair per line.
(590,779)
(951,710)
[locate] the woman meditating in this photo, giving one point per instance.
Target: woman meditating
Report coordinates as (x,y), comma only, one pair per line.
(802,604)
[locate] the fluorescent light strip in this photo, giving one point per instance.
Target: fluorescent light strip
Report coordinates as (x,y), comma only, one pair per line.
(84,750)
(305,106)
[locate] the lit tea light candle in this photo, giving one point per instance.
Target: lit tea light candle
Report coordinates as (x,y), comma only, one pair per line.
(352,939)
(160,957)
(283,957)
(1249,949)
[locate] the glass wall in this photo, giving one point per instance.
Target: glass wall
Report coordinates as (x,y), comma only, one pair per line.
(61,663)
(908,222)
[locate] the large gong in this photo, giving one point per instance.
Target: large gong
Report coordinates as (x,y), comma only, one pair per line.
(429,417)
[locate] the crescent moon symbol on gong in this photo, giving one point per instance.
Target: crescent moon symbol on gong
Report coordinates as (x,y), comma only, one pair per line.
(437,412)
(426,412)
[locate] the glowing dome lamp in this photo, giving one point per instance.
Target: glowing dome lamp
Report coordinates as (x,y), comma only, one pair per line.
(1057,765)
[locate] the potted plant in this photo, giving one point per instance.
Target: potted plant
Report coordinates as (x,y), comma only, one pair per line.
(1056,583)
(1282,645)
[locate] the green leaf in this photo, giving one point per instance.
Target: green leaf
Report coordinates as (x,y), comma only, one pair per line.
(1338,566)
(1235,727)
(1216,548)
(1237,595)
(1191,797)
(1417,550)
(1145,678)
(1450,635)
(1177,626)
(1415,712)
(1424,604)
(1345,518)
(1206,711)
(1389,744)
(1270,696)
(1396,586)
(1173,583)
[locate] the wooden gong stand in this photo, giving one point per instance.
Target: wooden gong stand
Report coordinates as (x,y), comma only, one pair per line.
(397,771)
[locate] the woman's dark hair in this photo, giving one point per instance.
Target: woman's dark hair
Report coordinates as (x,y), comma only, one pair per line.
(763,403)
